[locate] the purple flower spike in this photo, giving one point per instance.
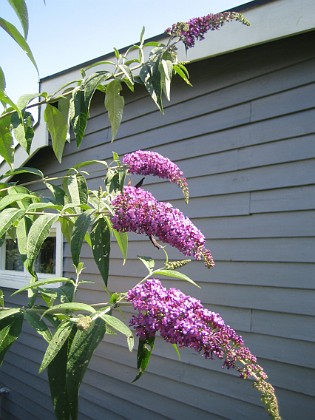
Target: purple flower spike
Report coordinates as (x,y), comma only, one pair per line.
(152,163)
(182,320)
(136,210)
(195,29)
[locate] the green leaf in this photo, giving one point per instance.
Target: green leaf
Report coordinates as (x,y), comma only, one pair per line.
(175,274)
(57,192)
(145,348)
(39,231)
(1,299)
(166,70)
(90,162)
(12,198)
(122,241)
(100,239)
(127,72)
(9,312)
(80,228)
(56,343)
(175,347)
(2,80)
(18,38)
(8,217)
(76,189)
(38,324)
(70,306)
(181,70)
(24,100)
(80,353)
(20,9)
(119,326)
(10,328)
(151,78)
(6,140)
(43,283)
(148,262)
(23,170)
(57,381)
(23,129)
(114,103)
(80,103)
(58,128)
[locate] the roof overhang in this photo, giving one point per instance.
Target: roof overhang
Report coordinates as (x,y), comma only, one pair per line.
(270,20)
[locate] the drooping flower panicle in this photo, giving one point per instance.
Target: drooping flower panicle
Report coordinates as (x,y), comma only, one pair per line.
(151,163)
(195,29)
(136,210)
(182,320)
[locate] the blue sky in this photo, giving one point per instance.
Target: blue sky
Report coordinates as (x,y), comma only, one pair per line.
(64,33)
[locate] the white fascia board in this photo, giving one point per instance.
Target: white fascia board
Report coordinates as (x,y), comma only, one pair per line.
(269,22)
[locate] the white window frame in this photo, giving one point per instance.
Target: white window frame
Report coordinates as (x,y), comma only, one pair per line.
(13,279)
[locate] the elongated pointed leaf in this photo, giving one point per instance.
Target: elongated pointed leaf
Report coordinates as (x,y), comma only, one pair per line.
(36,237)
(8,217)
(70,306)
(114,103)
(80,229)
(56,343)
(119,326)
(145,348)
(13,198)
(10,328)
(57,192)
(81,351)
(122,241)
(57,369)
(23,129)
(166,70)
(44,283)
(2,80)
(175,274)
(38,324)
(151,79)
(100,239)
(80,103)
(148,262)
(18,38)
(23,170)
(6,140)
(58,128)
(20,9)
(76,189)
(9,312)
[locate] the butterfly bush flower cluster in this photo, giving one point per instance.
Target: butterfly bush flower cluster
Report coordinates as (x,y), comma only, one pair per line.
(195,29)
(136,210)
(182,320)
(152,163)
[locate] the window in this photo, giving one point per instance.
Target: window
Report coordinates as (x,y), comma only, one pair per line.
(48,264)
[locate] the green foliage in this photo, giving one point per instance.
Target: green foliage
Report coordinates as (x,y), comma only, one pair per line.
(18,38)
(39,231)
(58,128)
(80,352)
(114,104)
(100,239)
(145,348)
(10,328)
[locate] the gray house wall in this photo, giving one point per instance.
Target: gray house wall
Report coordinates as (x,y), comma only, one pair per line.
(244,137)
